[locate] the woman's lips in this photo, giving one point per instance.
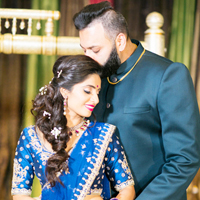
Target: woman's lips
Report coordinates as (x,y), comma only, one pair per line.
(89,107)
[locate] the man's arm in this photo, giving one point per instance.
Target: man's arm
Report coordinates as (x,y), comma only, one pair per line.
(180,121)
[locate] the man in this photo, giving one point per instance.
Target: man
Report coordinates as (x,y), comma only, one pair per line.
(150,99)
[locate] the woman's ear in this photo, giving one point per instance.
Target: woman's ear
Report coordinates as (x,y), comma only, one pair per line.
(121,42)
(64,92)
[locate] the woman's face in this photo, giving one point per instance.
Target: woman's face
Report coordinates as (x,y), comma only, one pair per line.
(83,97)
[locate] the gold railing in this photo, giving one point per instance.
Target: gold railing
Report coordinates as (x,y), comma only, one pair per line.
(46,45)
(154,39)
(23,14)
(33,44)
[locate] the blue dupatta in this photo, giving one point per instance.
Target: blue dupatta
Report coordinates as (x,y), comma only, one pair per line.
(84,163)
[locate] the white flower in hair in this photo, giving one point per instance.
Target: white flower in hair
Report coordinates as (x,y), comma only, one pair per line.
(59,73)
(56,132)
(45,113)
(43,90)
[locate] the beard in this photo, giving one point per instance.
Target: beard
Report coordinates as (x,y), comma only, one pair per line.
(112,64)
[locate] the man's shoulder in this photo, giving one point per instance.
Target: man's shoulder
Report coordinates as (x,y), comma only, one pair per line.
(155,59)
(155,64)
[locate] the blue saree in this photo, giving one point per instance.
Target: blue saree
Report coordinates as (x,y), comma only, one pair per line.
(96,157)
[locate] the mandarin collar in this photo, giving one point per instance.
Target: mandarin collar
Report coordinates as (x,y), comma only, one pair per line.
(125,66)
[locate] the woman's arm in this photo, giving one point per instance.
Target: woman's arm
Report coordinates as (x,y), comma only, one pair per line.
(118,170)
(126,193)
(93,197)
(22,197)
(23,172)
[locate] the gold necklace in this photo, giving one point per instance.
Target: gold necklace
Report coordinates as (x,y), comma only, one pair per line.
(79,127)
(127,72)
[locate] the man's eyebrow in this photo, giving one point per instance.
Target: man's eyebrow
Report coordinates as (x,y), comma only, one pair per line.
(88,47)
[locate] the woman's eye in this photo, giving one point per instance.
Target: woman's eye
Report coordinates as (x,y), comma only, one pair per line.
(86,91)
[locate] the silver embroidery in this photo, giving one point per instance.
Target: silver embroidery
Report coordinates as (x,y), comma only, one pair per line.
(35,143)
(83,146)
(124,184)
(127,170)
(19,175)
(99,159)
(96,191)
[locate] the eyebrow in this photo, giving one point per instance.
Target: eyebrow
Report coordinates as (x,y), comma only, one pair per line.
(88,47)
(92,86)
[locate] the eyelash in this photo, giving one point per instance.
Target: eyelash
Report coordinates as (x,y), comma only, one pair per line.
(87,92)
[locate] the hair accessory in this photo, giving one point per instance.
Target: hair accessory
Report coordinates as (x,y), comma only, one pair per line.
(59,73)
(51,80)
(43,90)
(79,127)
(45,113)
(56,132)
(64,105)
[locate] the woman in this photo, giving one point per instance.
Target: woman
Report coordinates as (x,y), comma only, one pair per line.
(70,156)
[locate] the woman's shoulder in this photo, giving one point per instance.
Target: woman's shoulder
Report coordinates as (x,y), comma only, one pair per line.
(31,127)
(102,125)
(28,133)
(29,130)
(101,128)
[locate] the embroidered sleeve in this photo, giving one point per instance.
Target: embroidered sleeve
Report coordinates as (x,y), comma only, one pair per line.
(117,167)
(23,168)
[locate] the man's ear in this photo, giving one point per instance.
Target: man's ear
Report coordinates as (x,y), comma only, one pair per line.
(64,92)
(121,41)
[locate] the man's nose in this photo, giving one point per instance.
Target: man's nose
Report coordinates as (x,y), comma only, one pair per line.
(87,53)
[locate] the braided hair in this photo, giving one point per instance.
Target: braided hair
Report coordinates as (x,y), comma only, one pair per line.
(48,108)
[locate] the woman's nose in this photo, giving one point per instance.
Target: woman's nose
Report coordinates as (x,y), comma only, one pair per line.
(95,99)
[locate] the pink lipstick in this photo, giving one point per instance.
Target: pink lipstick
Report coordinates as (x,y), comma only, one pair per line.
(89,107)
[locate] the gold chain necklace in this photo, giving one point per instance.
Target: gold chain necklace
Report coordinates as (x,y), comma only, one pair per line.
(127,72)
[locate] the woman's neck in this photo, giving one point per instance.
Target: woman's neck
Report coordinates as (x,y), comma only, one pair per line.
(74,121)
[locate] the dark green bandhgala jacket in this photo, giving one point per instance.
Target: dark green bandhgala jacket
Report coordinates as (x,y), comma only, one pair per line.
(157,118)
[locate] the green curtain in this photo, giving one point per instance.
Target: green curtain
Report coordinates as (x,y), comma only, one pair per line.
(39,71)
(182,31)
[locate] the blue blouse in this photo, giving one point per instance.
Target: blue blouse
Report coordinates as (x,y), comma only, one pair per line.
(97,155)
